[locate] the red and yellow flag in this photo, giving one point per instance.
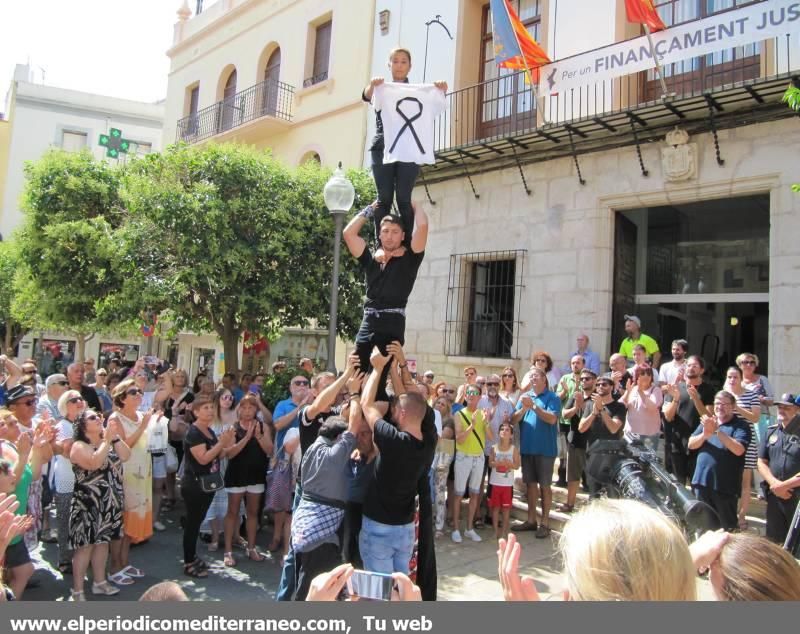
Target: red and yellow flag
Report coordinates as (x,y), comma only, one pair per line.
(644,12)
(514,47)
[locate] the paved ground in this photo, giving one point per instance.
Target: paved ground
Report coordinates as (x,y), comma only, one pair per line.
(467,571)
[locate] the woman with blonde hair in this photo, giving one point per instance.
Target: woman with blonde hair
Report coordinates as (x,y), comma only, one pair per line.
(613,550)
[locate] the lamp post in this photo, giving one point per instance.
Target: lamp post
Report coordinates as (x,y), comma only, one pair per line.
(339,195)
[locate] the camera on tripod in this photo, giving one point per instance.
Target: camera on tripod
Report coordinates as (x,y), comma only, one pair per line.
(628,469)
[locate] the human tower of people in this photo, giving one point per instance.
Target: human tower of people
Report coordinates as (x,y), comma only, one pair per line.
(368,467)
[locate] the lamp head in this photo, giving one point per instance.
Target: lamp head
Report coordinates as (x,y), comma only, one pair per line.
(339,193)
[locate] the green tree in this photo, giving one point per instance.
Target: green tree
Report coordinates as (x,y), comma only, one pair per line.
(12,330)
(225,238)
(67,246)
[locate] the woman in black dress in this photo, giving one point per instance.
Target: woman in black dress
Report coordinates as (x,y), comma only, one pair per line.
(245,476)
(202,451)
(95,517)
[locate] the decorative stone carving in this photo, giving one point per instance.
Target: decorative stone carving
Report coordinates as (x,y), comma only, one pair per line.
(679,158)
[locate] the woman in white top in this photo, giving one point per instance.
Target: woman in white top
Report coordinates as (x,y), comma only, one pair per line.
(509,385)
(542,360)
(70,406)
(748,408)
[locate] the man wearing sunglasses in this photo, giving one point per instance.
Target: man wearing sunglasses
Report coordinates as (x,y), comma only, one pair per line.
(287,412)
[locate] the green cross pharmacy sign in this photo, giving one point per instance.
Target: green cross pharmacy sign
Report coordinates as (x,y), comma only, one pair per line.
(114,143)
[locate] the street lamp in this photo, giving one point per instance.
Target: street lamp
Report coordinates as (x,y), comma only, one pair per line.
(339,195)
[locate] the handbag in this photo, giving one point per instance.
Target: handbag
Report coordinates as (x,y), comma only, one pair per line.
(211,482)
(172,459)
(279,485)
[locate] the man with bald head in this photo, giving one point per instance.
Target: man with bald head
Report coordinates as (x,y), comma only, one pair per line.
(590,358)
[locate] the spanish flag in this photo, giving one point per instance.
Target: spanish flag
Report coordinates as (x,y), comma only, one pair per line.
(644,12)
(514,47)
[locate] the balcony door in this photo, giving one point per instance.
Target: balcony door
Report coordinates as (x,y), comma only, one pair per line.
(229,102)
(272,74)
(507,102)
(696,75)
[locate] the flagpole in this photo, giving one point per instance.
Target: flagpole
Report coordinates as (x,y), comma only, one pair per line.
(664,89)
(527,68)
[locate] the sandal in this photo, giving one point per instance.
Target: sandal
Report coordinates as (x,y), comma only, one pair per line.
(542,532)
(120,579)
(77,595)
(254,555)
(478,525)
(240,542)
(274,547)
(130,571)
(104,588)
(566,508)
(195,570)
(228,560)
(524,527)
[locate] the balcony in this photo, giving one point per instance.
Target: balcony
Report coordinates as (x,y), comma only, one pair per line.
(501,122)
(269,100)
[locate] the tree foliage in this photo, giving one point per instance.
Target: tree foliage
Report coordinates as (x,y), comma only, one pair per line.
(11,329)
(67,247)
(225,238)
(792,97)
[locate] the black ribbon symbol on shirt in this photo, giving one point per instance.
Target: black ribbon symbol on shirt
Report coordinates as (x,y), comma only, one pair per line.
(408,122)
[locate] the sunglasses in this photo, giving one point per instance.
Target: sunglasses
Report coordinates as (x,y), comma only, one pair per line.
(226,397)
(449,391)
(300,383)
(29,403)
(473,393)
(93,417)
(75,399)
(491,383)
(134,391)
(604,384)
(540,360)
(748,362)
(64,383)
(508,376)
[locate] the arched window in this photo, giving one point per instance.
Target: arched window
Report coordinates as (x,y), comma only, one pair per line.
(272,73)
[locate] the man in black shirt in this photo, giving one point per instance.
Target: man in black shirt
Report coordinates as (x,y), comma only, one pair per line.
(388,284)
(405,453)
(685,403)
(603,419)
(576,449)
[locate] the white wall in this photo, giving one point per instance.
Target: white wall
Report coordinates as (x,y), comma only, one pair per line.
(41,113)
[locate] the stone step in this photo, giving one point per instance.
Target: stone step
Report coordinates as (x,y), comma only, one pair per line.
(756,512)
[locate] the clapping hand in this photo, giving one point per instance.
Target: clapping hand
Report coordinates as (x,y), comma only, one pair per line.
(227,437)
(709,425)
(441,85)
(515,588)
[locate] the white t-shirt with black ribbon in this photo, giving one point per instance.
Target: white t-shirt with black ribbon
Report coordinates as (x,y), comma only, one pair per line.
(408,112)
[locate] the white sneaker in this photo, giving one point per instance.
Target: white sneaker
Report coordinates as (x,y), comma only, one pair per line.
(159,526)
(473,535)
(456,537)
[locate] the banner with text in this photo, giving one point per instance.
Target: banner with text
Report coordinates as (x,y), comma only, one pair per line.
(725,30)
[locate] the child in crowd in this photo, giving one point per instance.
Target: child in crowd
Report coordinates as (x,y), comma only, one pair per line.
(503,460)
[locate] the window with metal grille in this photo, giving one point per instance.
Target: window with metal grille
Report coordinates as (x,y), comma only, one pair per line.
(322,52)
(483,303)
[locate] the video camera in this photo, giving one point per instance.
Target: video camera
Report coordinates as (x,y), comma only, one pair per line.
(629,470)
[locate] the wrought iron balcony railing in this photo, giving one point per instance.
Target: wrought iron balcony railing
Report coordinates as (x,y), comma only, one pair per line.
(505,107)
(268,98)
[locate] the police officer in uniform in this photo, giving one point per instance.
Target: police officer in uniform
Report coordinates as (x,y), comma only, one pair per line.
(779,465)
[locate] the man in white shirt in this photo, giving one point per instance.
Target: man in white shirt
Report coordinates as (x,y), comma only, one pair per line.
(672,372)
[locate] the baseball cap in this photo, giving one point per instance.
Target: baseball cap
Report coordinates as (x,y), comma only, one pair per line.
(789,399)
(634,319)
(429,373)
(55,378)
